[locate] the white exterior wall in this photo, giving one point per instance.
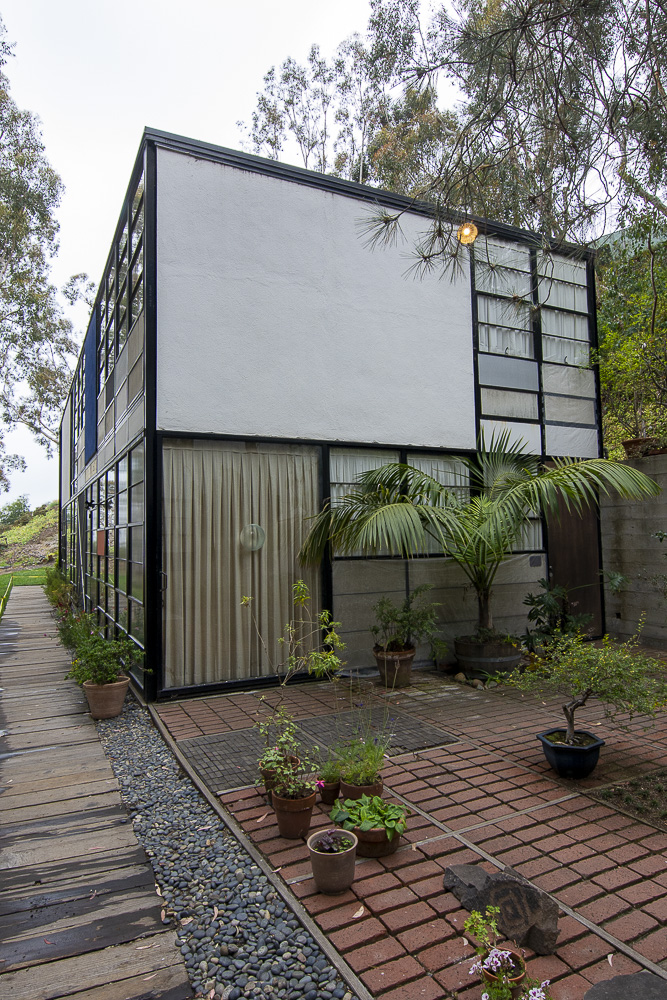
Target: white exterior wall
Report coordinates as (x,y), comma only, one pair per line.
(274,320)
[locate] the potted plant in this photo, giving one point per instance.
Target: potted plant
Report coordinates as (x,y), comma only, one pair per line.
(477,523)
(332,856)
(281,745)
(293,797)
(502,968)
(376,823)
(361,761)
(101,666)
(329,776)
(618,675)
(398,631)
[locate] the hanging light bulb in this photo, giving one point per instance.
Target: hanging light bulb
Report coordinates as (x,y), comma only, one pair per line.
(467,232)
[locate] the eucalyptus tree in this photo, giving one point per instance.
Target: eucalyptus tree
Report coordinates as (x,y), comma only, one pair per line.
(36,343)
(562,121)
(398,508)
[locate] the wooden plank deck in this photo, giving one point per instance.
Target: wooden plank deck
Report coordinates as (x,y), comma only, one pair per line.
(79,915)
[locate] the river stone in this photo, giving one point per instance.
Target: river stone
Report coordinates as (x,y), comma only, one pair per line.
(638,986)
(528,916)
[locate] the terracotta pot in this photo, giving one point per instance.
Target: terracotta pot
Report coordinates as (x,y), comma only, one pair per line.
(395,668)
(636,447)
(329,792)
(293,815)
(105,701)
(356,791)
(375,843)
(333,873)
(515,980)
(269,775)
(481,659)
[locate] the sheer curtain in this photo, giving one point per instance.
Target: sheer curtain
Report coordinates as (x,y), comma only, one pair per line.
(211,491)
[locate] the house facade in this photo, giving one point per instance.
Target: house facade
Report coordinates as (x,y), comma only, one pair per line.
(248,356)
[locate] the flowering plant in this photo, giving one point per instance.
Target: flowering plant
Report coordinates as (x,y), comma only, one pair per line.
(503,970)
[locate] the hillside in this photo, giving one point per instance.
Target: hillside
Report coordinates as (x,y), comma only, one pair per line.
(33,542)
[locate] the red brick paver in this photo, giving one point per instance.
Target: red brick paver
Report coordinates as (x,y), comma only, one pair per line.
(487,799)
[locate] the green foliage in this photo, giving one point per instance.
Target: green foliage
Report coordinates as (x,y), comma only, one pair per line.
(29,577)
(551,614)
(478,522)
(623,679)
(329,766)
(362,758)
(36,341)
(499,962)
(279,733)
(406,625)
(12,512)
(29,527)
(59,592)
(632,327)
(98,660)
(293,778)
(370,813)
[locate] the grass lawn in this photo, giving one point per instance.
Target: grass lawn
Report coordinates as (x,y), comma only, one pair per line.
(23,578)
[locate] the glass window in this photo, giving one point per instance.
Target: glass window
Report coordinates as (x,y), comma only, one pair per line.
(505,327)
(137,464)
(137,544)
(136,621)
(137,503)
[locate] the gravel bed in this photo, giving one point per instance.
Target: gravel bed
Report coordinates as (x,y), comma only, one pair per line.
(236,935)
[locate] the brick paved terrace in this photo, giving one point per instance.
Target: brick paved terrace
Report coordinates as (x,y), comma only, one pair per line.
(486,797)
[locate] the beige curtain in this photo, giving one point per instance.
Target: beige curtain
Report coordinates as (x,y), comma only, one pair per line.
(211,490)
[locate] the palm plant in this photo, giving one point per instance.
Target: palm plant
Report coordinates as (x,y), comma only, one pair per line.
(398,508)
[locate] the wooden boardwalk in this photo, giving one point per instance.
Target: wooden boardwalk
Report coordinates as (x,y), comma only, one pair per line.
(79,914)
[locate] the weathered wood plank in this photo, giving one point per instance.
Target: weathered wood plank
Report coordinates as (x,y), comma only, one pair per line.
(63,871)
(63,806)
(26,853)
(76,888)
(79,915)
(165,984)
(94,969)
(62,790)
(87,925)
(73,824)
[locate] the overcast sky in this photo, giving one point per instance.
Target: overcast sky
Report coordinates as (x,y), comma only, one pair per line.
(96,72)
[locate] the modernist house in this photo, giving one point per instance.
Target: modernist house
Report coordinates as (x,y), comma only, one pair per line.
(248,355)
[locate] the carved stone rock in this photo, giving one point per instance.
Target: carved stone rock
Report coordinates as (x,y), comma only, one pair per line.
(638,986)
(528,916)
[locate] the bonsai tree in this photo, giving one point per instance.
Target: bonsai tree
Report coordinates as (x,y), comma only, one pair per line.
(478,523)
(617,674)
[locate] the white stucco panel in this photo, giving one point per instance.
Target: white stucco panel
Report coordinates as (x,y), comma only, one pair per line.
(275,320)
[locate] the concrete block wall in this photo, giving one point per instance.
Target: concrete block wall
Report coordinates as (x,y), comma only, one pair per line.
(629,548)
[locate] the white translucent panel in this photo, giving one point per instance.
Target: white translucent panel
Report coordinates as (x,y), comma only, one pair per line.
(530,538)
(510,372)
(346,464)
(563,294)
(565,352)
(564,324)
(565,409)
(501,340)
(493,251)
(501,403)
(562,268)
(504,312)
(576,442)
(447,471)
(568,381)
(527,435)
(499,280)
